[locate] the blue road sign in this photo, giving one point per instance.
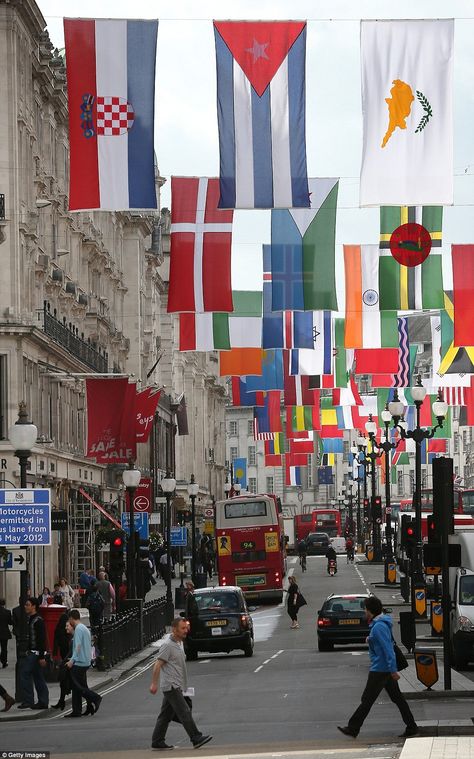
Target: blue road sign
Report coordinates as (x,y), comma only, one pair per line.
(140,522)
(25,517)
(179,536)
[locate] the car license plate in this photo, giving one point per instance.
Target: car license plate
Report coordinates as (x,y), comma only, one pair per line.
(216,631)
(349,621)
(216,623)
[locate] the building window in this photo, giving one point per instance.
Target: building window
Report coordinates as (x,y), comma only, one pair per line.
(234,428)
(250,427)
(456,442)
(310,470)
(252,485)
(251,457)
(345,450)
(269,488)
(233,453)
(3,398)
(399,482)
(412,480)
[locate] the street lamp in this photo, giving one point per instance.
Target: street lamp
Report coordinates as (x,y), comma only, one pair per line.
(193,490)
(227,488)
(23,435)
(131,479)
(168,485)
(358,451)
(419,435)
(371,429)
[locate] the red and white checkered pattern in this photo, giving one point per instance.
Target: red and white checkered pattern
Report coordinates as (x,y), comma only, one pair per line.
(114,116)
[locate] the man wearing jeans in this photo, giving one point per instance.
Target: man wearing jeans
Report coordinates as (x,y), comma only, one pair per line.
(170,670)
(78,664)
(33,663)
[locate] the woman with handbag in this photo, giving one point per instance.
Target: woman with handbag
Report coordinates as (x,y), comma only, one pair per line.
(383,672)
(294,602)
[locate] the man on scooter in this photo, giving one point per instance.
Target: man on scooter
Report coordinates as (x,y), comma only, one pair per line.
(331,556)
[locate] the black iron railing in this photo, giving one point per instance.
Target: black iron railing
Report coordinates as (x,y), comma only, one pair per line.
(130,631)
(67,335)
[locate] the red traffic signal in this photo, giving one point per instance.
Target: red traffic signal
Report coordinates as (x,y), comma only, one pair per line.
(433,532)
(408,532)
(377,508)
(118,542)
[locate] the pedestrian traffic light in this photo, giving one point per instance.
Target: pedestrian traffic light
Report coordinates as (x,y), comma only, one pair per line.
(117,543)
(366,509)
(377,508)
(408,532)
(434,535)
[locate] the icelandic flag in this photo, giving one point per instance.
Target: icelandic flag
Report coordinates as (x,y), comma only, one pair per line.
(261,111)
(111,96)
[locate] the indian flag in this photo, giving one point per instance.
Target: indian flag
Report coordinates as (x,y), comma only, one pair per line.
(366,326)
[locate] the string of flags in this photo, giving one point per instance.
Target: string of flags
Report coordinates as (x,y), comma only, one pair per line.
(294,349)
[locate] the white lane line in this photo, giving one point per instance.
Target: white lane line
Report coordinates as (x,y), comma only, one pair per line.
(266,661)
(258,668)
(204,661)
(361,578)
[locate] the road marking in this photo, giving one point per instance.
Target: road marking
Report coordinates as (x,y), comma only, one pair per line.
(361,578)
(267,661)
(258,668)
(204,661)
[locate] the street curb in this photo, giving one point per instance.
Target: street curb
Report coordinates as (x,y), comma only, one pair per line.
(438,694)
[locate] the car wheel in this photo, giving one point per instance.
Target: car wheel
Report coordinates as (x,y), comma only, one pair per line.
(248,649)
(325,645)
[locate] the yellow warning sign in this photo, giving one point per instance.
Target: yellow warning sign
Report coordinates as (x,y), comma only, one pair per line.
(271,541)
(426,667)
(224,545)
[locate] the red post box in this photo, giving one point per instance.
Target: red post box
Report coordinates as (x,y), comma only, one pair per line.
(51,615)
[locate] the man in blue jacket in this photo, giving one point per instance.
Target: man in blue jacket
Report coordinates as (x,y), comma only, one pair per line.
(383,672)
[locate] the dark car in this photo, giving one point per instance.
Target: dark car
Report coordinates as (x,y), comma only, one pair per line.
(223,623)
(342,620)
(317,543)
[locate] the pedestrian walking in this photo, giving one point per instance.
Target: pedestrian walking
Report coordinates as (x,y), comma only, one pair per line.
(383,672)
(95,603)
(294,601)
(33,664)
(63,633)
(106,590)
(85,579)
(191,610)
(20,631)
(170,671)
(6,622)
(66,592)
(9,700)
(78,665)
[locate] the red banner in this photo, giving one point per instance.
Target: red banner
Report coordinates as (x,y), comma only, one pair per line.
(143,497)
(146,403)
(111,420)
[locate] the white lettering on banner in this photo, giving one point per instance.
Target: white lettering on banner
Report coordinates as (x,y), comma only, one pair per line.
(144,421)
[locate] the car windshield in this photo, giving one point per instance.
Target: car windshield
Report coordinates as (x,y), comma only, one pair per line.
(345,604)
(217,601)
(466,590)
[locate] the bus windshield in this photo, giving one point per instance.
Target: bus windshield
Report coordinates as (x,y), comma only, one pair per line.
(468,502)
(239,510)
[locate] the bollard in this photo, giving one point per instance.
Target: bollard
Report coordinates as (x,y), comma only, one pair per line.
(420,600)
(436,618)
(426,666)
(390,572)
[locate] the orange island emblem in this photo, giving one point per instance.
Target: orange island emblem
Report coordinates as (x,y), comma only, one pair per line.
(399,108)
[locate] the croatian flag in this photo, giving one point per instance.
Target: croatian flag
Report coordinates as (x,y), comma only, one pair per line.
(261,113)
(111,94)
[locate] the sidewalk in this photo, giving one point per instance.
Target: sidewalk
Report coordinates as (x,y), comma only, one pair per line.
(438,748)
(95,678)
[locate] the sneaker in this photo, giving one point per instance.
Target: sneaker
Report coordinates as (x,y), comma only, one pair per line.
(410,732)
(347,731)
(202,740)
(161,746)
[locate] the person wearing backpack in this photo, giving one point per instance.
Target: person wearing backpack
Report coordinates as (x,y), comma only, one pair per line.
(95,604)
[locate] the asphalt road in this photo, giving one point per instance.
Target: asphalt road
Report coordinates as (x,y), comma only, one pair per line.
(287,698)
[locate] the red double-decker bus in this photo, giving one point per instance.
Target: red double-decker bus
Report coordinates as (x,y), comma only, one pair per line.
(318,520)
(251,546)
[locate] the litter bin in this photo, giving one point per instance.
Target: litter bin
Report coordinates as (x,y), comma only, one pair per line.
(201,579)
(51,615)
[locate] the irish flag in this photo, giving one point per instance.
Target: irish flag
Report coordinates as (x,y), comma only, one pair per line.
(111,97)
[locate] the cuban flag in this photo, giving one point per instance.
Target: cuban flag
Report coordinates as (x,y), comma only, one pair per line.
(262,113)
(111,94)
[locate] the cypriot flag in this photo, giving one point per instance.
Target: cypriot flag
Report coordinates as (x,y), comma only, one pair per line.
(407,106)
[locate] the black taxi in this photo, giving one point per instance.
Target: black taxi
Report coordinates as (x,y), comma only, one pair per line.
(221,622)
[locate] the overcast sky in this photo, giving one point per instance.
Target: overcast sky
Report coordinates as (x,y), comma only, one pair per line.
(186,121)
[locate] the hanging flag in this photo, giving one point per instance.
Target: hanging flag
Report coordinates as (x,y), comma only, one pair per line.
(182,416)
(393,217)
(146,403)
(267,417)
(111,96)
(289,329)
(296,459)
(463,286)
(347,396)
(343,357)
(333,445)
(303,266)
(325,475)
(213,331)
(299,418)
(261,113)
(407,156)
(303,446)
(240,472)
(240,362)
(275,446)
(111,417)
(201,238)
(296,388)
(320,359)
(292,475)
(272,372)
(448,359)
(240,395)
(366,326)
(454,396)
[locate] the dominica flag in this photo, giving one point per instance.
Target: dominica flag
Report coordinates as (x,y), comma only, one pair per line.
(392,217)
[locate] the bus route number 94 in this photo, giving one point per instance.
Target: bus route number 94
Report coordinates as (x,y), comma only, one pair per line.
(247,545)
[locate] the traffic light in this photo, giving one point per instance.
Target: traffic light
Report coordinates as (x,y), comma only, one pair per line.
(377,508)
(434,535)
(366,509)
(117,543)
(408,532)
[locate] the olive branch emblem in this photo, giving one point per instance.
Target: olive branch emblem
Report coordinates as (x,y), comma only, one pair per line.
(427,109)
